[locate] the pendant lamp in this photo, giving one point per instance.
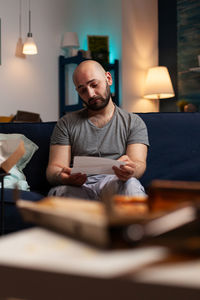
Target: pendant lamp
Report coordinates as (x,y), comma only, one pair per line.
(30,47)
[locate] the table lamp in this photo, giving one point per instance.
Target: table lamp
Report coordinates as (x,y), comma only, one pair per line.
(70,43)
(158,84)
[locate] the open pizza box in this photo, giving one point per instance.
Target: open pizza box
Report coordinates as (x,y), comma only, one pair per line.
(117,221)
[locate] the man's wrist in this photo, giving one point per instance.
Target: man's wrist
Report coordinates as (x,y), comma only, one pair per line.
(57,178)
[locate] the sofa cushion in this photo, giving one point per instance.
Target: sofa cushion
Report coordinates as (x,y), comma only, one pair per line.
(13,220)
(174,151)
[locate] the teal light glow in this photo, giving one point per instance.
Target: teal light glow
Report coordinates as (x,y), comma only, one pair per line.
(112,57)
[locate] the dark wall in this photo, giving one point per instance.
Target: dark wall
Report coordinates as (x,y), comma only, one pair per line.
(167,39)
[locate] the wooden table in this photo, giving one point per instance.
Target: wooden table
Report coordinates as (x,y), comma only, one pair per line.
(40,264)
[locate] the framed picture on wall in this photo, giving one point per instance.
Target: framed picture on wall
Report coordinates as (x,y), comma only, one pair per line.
(98,45)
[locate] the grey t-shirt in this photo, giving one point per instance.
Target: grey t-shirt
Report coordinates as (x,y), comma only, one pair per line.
(109,141)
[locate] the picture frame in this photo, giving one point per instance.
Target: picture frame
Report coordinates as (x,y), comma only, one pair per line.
(98,45)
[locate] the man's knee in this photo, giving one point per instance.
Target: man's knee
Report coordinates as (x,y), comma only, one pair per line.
(131,187)
(73,191)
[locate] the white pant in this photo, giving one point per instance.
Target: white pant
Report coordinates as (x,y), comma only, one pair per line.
(99,185)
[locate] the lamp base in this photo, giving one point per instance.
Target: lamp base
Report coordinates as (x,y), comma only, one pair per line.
(157,104)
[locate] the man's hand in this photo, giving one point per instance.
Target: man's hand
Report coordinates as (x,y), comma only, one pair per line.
(77,179)
(124,172)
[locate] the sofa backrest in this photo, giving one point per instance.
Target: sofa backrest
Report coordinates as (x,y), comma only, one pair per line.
(40,134)
(174,151)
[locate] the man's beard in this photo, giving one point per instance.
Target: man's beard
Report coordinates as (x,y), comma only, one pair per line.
(99,105)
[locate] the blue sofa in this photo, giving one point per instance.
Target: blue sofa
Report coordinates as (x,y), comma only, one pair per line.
(174,154)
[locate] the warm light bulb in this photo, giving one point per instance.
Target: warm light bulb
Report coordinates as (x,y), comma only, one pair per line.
(30,46)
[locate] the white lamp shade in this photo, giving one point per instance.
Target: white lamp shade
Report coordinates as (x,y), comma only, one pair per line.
(158,84)
(70,39)
(30,46)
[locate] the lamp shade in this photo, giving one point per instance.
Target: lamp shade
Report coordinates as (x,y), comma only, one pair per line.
(30,46)
(158,84)
(70,39)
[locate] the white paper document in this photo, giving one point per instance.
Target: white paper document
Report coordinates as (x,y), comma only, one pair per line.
(94,165)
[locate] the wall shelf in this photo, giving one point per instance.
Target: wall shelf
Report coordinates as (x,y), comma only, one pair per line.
(196,69)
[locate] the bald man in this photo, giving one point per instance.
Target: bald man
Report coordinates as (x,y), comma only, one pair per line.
(100,129)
